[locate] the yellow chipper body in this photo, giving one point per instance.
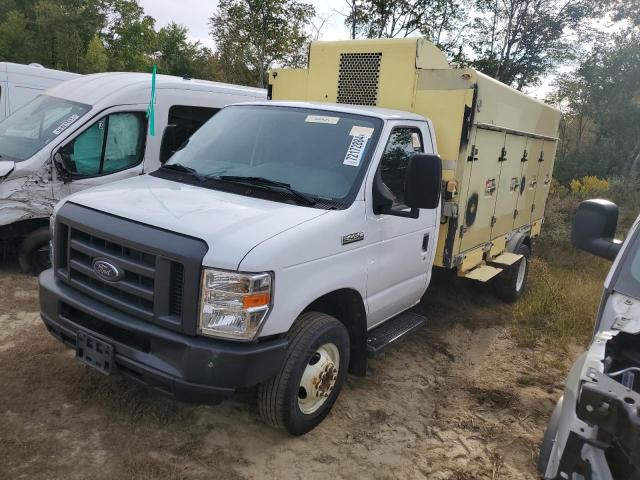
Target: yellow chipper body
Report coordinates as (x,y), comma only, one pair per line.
(497,145)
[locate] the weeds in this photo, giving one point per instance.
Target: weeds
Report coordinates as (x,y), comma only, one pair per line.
(565,285)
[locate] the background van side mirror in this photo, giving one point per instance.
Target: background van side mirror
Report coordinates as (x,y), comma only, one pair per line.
(64,170)
(594,228)
(423,182)
(168,146)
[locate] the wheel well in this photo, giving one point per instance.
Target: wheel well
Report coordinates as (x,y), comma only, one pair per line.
(519,239)
(21,229)
(347,306)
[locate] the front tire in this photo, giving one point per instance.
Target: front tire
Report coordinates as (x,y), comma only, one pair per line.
(34,256)
(301,395)
(511,284)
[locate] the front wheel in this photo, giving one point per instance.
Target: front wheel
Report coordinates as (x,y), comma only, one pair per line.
(34,256)
(301,395)
(511,284)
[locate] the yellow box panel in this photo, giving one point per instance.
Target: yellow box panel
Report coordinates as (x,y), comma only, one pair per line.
(468,109)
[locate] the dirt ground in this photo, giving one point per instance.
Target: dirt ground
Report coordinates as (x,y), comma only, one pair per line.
(456,401)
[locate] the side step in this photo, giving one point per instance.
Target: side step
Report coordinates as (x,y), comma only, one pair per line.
(392,330)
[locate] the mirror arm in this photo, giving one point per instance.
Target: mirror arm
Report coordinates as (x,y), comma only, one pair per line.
(413,213)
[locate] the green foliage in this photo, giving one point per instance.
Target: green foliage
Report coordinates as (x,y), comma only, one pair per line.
(15,38)
(253,35)
(519,41)
(96,59)
(601,135)
(434,19)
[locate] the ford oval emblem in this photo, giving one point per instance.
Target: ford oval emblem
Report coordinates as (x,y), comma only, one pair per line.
(107,271)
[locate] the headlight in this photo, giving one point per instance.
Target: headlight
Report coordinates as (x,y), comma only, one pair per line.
(233,305)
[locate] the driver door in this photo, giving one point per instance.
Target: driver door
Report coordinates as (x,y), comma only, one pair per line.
(402,254)
(109,149)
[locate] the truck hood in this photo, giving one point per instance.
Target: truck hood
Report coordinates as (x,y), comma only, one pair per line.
(230,224)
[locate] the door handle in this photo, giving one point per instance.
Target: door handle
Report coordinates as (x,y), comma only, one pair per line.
(425,242)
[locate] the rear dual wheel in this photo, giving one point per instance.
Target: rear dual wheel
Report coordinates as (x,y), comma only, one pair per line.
(301,395)
(512,282)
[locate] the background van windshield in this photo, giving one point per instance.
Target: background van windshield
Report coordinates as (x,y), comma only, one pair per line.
(36,124)
(317,152)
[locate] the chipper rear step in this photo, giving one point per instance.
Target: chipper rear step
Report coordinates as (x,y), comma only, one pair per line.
(391,331)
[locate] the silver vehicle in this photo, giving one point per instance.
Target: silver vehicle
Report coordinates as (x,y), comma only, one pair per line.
(594,431)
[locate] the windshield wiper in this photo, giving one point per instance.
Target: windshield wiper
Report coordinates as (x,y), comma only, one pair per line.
(181,168)
(268,184)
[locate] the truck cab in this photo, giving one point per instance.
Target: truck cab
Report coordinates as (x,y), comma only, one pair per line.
(594,431)
(90,131)
(278,261)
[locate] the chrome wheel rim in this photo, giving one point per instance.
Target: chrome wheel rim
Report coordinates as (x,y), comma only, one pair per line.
(522,270)
(319,378)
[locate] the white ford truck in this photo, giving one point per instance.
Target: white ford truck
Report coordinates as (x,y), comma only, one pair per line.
(594,431)
(288,240)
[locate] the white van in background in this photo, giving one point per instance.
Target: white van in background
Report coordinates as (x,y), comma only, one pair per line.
(89,131)
(21,83)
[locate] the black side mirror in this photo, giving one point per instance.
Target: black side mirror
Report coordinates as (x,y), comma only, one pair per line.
(64,170)
(594,228)
(423,183)
(168,145)
(422,187)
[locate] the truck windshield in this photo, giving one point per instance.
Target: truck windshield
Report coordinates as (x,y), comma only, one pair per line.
(629,279)
(36,124)
(316,152)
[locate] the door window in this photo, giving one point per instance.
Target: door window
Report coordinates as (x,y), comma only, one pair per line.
(113,143)
(183,121)
(404,142)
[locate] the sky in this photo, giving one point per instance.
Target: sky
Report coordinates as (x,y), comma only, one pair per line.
(195,15)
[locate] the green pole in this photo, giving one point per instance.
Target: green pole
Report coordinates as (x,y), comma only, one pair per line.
(151,110)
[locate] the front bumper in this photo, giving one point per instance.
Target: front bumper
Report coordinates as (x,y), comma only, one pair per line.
(194,369)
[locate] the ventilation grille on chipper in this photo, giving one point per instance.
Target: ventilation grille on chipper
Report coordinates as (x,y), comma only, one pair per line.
(358,80)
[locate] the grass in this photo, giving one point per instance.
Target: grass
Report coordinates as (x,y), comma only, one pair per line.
(565,285)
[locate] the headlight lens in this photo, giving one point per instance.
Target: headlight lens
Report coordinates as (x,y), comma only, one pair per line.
(233,305)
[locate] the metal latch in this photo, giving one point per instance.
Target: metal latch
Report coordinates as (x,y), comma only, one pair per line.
(503,155)
(473,156)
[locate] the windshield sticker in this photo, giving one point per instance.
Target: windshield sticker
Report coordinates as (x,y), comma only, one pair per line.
(357,130)
(355,150)
(64,125)
(415,141)
(322,119)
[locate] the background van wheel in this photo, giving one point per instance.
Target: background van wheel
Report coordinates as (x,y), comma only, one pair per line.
(511,284)
(33,254)
(301,395)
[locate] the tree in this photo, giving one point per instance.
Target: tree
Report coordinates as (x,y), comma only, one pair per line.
(130,36)
(402,18)
(15,38)
(519,41)
(96,58)
(179,55)
(602,102)
(254,35)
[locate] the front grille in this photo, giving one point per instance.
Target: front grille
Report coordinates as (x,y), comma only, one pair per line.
(158,270)
(136,292)
(358,78)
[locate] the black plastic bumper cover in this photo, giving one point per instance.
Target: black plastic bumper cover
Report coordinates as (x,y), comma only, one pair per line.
(194,369)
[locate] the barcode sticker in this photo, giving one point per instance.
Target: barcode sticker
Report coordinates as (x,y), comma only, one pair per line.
(356,150)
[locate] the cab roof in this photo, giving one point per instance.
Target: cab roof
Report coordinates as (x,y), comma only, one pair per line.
(382,113)
(135,87)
